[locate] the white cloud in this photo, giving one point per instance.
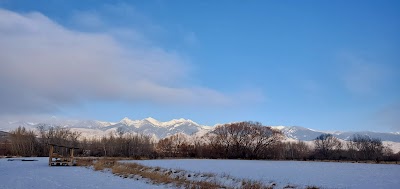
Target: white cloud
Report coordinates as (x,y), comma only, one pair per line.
(45,66)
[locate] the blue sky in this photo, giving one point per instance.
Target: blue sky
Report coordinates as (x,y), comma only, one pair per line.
(326,65)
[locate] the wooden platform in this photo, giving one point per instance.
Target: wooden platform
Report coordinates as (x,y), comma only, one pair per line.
(57,156)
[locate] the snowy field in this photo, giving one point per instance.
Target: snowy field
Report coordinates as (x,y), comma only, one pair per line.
(37,174)
(298,173)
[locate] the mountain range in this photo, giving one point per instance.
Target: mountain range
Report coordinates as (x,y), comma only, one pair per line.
(305,134)
(159,130)
(94,128)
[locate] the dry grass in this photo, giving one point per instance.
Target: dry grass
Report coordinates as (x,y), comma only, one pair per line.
(134,170)
(312,187)
(246,184)
(158,175)
(84,162)
(289,186)
(128,169)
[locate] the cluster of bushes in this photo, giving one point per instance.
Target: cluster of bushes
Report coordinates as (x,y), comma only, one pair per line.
(241,140)
(244,140)
(251,140)
(122,145)
(24,142)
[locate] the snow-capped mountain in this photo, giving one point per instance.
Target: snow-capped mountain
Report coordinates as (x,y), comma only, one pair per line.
(93,128)
(10,125)
(89,124)
(305,134)
(151,126)
(159,129)
(299,133)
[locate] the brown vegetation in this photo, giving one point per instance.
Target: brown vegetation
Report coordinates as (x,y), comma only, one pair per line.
(157,175)
(241,140)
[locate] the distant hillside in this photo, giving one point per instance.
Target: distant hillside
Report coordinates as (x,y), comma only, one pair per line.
(159,129)
(305,134)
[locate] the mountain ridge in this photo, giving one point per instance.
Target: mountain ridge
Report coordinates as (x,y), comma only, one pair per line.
(306,134)
(160,129)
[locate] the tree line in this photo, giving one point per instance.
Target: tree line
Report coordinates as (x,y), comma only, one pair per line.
(251,140)
(241,140)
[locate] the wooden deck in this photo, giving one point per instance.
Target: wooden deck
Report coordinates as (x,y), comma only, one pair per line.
(61,155)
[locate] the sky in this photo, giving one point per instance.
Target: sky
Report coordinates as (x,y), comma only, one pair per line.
(325,65)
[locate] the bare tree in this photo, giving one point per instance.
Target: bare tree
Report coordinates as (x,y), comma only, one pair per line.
(364,147)
(176,145)
(326,145)
(23,142)
(296,150)
(242,139)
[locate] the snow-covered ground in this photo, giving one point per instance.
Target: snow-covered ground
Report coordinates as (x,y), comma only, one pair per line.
(37,174)
(298,173)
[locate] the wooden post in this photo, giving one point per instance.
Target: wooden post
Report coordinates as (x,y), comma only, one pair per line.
(51,154)
(72,156)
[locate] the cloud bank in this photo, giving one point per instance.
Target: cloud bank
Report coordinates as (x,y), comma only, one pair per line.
(45,66)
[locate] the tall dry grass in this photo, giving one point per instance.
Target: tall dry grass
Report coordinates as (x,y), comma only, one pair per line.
(158,175)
